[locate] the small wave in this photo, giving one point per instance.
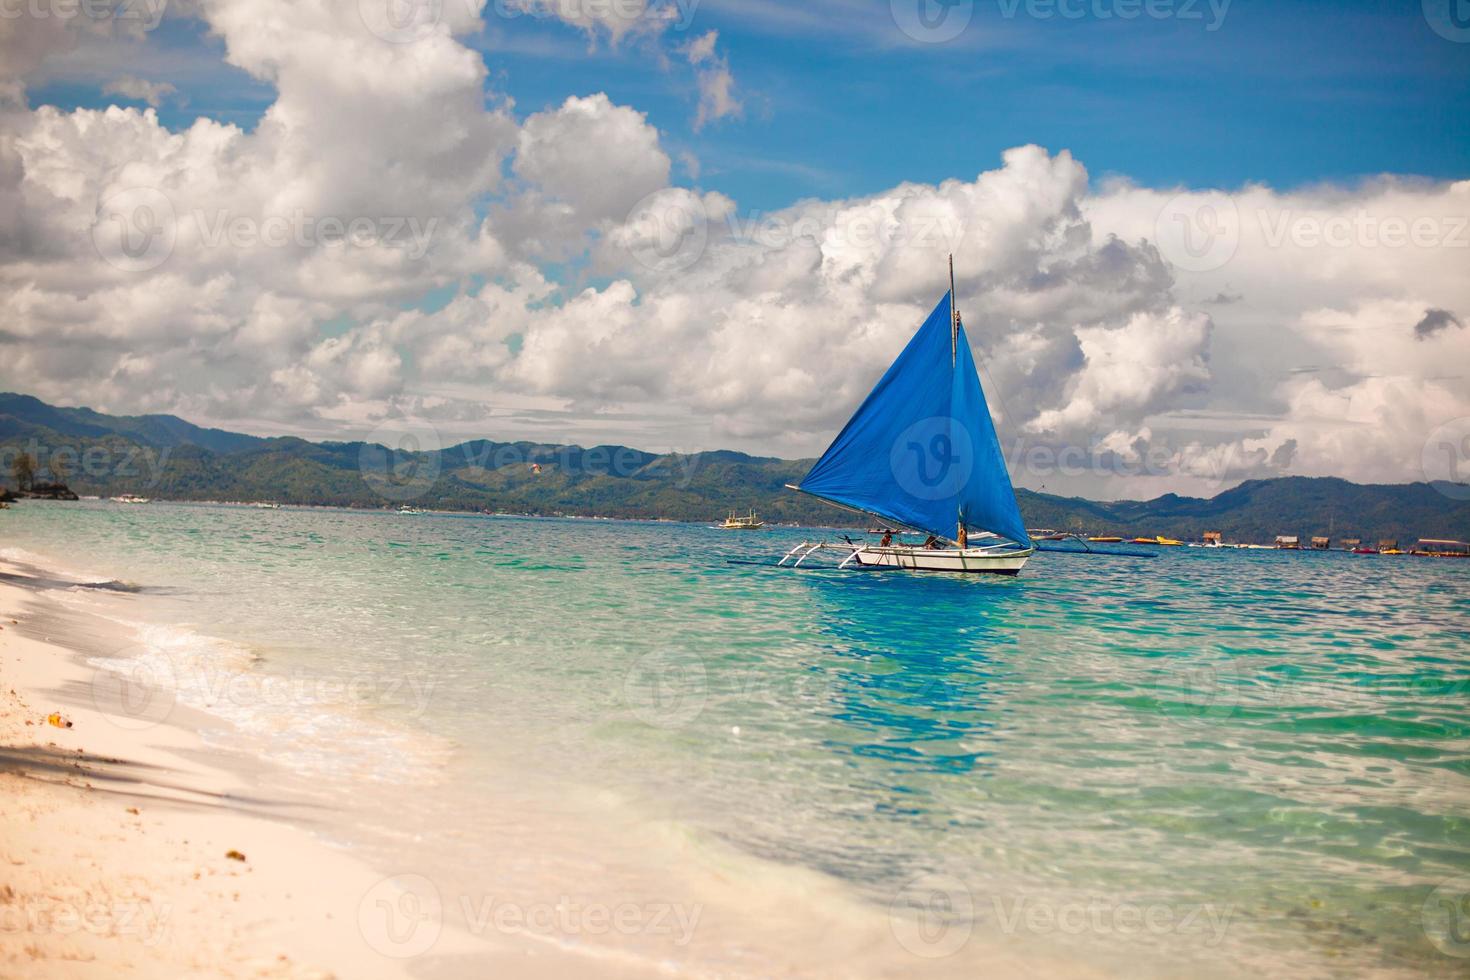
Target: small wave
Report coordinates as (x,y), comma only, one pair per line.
(314,723)
(75,578)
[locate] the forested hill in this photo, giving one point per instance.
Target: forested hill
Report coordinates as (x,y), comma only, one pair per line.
(165,457)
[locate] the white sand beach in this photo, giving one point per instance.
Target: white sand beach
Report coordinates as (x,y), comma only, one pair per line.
(133,850)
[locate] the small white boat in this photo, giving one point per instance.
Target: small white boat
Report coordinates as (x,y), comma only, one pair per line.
(921,453)
(747,523)
(406,509)
(266,505)
(1001,558)
(129,498)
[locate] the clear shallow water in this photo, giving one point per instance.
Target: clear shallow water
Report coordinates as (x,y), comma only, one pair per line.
(1231,762)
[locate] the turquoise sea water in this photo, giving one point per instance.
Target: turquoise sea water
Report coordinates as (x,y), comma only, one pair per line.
(1209,762)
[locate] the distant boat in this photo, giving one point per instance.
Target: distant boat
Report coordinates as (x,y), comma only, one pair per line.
(129,498)
(1159,540)
(1105,539)
(921,453)
(406,509)
(1442,548)
(266,505)
(747,523)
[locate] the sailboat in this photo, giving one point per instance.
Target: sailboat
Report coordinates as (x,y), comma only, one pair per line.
(921,453)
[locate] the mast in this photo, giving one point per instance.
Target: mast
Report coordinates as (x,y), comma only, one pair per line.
(954,316)
(954,347)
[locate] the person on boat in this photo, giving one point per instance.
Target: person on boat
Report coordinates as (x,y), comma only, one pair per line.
(887,539)
(932,543)
(963,537)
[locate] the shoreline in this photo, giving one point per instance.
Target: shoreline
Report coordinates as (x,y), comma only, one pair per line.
(133,848)
(535,865)
(116,835)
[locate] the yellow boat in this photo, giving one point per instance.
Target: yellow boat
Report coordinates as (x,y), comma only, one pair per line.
(1168,542)
(1106,539)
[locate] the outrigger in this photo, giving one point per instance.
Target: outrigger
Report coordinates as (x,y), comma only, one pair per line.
(921,455)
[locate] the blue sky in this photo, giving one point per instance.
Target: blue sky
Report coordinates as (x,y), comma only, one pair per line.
(838,102)
(1319,151)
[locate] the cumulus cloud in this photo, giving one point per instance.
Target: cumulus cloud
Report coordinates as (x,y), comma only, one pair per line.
(1132,370)
(389,238)
(614,20)
(714,80)
(27,40)
(139,89)
(582,165)
(142,257)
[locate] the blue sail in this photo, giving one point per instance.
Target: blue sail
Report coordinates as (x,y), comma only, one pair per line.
(921,450)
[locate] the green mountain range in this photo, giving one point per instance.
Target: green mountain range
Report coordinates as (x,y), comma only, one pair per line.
(165,457)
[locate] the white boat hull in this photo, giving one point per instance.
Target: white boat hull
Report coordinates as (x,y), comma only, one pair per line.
(983,560)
